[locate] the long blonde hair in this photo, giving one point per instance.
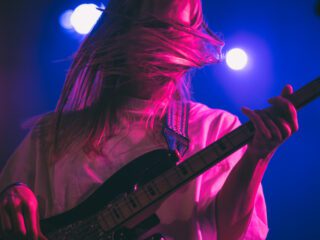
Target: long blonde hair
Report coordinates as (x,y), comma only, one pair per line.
(125,45)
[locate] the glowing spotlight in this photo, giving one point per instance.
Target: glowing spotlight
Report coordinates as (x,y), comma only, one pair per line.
(65,19)
(236,59)
(84,17)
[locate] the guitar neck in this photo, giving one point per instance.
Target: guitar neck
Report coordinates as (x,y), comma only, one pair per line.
(234,140)
(306,94)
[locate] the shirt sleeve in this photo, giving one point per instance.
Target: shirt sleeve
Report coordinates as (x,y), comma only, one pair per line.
(20,167)
(29,164)
(212,181)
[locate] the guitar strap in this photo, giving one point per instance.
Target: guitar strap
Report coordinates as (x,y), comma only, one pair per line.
(175,129)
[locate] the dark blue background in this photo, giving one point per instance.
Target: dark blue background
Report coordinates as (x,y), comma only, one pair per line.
(282,39)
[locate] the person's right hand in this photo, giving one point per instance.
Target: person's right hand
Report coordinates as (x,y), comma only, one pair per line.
(19,215)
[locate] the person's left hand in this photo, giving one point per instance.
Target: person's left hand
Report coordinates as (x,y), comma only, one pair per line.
(272,125)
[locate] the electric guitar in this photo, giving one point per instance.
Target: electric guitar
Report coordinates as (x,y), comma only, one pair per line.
(116,212)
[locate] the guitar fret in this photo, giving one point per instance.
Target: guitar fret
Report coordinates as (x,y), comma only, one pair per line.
(152,190)
(142,197)
(103,220)
(214,151)
(172,177)
(134,201)
(209,155)
(204,159)
(219,150)
(236,138)
(196,163)
(162,184)
(146,192)
(190,166)
(117,212)
(184,169)
(227,145)
(107,217)
(221,144)
(127,203)
(109,213)
(155,186)
(210,152)
(124,208)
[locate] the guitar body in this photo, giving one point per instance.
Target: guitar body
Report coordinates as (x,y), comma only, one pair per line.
(121,183)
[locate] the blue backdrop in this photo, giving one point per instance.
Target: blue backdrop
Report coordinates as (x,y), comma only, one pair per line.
(282,39)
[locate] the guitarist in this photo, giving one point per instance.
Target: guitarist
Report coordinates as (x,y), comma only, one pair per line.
(134,63)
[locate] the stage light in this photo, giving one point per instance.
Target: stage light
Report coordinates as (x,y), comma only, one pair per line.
(236,59)
(65,19)
(84,17)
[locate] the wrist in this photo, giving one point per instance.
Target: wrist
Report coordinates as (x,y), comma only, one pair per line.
(259,156)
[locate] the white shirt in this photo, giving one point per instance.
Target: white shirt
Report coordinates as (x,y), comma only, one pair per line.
(188,214)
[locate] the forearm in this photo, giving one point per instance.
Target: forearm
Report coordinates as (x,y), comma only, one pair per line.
(236,198)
